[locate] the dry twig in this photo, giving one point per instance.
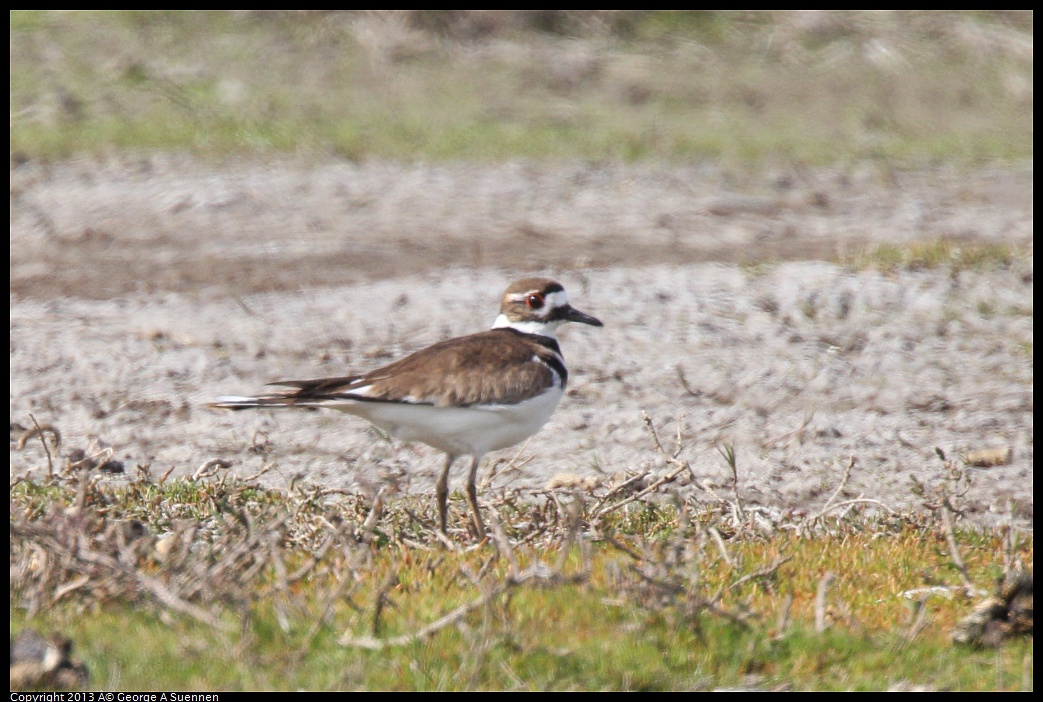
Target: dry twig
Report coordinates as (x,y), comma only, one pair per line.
(538,572)
(954,549)
(39,430)
(679,467)
(820,602)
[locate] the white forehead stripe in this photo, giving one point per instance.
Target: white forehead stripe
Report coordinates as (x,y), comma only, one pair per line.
(556,299)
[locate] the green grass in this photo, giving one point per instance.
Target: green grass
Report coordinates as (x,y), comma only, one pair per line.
(957,255)
(621,602)
(133,651)
(740,87)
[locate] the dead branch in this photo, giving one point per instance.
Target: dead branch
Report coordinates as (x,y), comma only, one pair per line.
(954,549)
(820,602)
(503,544)
(211,468)
(857,501)
(768,443)
(39,430)
(160,591)
(843,482)
(719,540)
(764,572)
(373,518)
(381,600)
(679,467)
(918,624)
(535,573)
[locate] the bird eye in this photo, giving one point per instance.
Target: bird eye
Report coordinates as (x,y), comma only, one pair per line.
(534,301)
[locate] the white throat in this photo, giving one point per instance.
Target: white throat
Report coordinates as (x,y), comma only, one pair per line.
(529,326)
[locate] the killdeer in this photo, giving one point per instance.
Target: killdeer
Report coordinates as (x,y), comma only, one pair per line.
(465,396)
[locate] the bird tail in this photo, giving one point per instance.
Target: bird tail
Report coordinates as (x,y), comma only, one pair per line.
(234,402)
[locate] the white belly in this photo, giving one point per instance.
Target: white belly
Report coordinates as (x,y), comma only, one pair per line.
(459,431)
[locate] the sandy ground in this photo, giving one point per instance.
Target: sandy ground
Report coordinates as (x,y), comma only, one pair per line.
(142,288)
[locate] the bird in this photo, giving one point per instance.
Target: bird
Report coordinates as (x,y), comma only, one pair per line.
(465,396)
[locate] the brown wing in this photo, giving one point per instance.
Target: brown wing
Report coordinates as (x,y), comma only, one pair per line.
(495,366)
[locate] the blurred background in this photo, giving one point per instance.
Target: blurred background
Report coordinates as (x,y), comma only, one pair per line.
(236,143)
(812,87)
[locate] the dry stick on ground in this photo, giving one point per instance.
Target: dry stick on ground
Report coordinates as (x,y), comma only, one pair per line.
(171,600)
(381,600)
(319,555)
(430,528)
(954,549)
(858,501)
(719,540)
(713,604)
(680,467)
(843,482)
(373,518)
(830,506)
(784,615)
(232,562)
(620,489)
(755,575)
(80,501)
(573,535)
(918,624)
(1010,544)
(337,594)
(71,586)
(503,544)
(512,464)
(266,468)
(275,555)
(210,468)
(684,383)
(611,540)
(81,552)
(39,430)
(732,617)
(86,462)
(538,572)
(820,602)
(312,496)
(768,443)
(534,533)
(143,471)
(674,588)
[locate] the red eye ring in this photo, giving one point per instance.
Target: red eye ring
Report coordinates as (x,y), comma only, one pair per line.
(534,301)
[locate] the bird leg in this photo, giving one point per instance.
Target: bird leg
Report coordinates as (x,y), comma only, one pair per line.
(442,491)
(472,496)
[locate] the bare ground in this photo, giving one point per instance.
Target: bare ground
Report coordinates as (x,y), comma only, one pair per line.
(140,288)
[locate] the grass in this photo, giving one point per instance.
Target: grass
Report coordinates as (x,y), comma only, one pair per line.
(214,583)
(737,86)
(957,255)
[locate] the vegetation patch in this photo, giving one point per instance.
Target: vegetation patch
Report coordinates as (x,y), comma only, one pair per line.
(214,582)
(953,254)
(804,87)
